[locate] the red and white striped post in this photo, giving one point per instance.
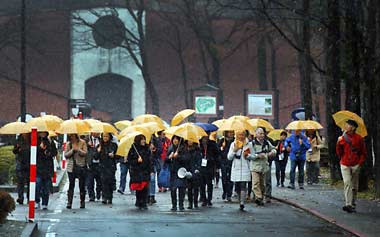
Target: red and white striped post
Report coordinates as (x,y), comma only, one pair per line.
(33,173)
(54,178)
(63,151)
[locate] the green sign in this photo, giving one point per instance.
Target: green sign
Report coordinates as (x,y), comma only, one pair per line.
(205,105)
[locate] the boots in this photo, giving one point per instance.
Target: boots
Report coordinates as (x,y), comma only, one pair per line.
(152,200)
(82,200)
(181,195)
(174,200)
(70,195)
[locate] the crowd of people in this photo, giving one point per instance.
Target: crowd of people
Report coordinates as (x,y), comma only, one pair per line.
(244,161)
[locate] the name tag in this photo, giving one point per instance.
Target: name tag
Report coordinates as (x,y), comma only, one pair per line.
(204,163)
(281,156)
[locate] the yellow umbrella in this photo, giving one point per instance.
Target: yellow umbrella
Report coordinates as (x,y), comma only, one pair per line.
(52,117)
(145,118)
(187,131)
(180,116)
(74,126)
(136,128)
(219,122)
(341,118)
(300,125)
(236,124)
(126,143)
(102,127)
(261,123)
(275,134)
(42,124)
(239,117)
(14,128)
(92,122)
(122,124)
(52,134)
(314,124)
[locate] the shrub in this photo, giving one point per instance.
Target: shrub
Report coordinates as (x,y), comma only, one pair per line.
(7,205)
(7,161)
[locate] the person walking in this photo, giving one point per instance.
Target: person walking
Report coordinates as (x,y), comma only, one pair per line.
(281,159)
(45,169)
(226,164)
(140,169)
(75,153)
(352,152)
(164,144)
(313,156)
(193,183)
(106,154)
(297,144)
(94,169)
(210,157)
(22,151)
(177,159)
(155,148)
(240,153)
(262,150)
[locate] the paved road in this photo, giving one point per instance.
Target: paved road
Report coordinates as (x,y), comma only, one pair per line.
(223,219)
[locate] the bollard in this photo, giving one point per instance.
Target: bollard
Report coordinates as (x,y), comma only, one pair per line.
(33,169)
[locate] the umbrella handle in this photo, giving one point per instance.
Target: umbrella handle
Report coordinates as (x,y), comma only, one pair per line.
(136,149)
(180,140)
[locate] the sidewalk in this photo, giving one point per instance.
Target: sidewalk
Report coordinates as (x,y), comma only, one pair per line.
(326,202)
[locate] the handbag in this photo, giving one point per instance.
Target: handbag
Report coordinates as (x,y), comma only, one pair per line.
(164,177)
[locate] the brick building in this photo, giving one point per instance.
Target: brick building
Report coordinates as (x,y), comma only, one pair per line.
(57,73)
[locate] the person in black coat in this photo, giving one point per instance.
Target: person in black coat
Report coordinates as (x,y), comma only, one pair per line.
(224,146)
(45,170)
(195,158)
(106,154)
(94,170)
(281,160)
(140,170)
(176,159)
(22,152)
(210,159)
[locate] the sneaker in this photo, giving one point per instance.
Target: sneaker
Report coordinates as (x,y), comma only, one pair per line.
(204,204)
(209,204)
(20,201)
(241,207)
(291,187)
(92,200)
(44,207)
(229,199)
(224,196)
(119,191)
(181,209)
(173,209)
(282,186)
(301,187)
(278,185)
(348,209)
(37,206)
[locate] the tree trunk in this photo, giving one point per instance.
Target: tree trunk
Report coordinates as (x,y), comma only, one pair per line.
(23,63)
(333,84)
(262,64)
(305,57)
(184,78)
(274,83)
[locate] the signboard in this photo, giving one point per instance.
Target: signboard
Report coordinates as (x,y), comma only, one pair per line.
(260,104)
(205,104)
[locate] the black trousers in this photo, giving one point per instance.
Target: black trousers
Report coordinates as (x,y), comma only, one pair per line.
(206,181)
(82,181)
(22,179)
(280,170)
(142,197)
(92,177)
(108,183)
(181,196)
(226,180)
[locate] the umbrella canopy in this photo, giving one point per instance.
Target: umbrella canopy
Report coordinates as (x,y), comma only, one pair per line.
(219,122)
(74,126)
(122,124)
(92,122)
(187,131)
(236,124)
(314,124)
(261,123)
(275,134)
(208,127)
(341,118)
(239,117)
(43,124)
(126,143)
(136,128)
(153,127)
(14,128)
(181,115)
(145,118)
(52,117)
(102,127)
(301,125)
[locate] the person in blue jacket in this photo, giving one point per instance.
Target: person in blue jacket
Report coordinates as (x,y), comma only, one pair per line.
(297,145)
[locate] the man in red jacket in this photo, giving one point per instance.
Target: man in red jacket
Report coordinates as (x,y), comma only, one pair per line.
(352,153)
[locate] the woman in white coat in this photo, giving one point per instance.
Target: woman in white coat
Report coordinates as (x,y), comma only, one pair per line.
(241,152)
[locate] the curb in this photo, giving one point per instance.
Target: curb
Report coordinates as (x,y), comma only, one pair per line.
(321,216)
(30,230)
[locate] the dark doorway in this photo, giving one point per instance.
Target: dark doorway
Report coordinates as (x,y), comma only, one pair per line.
(110,93)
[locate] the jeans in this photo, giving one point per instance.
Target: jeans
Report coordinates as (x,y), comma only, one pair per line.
(312,172)
(301,166)
(123,176)
(42,190)
(22,179)
(152,184)
(226,181)
(280,170)
(94,175)
(206,180)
